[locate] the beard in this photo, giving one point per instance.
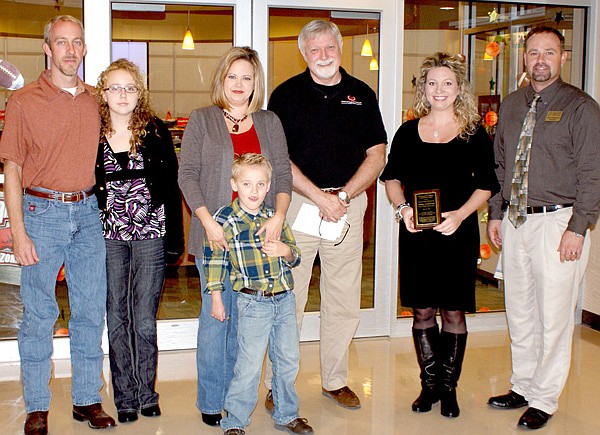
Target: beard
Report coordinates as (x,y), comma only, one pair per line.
(325,72)
(542,75)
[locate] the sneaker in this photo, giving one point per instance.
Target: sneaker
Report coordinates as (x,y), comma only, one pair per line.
(299,425)
(269,404)
(344,397)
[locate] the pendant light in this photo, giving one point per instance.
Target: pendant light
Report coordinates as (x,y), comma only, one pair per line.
(188,39)
(366,51)
(373,65)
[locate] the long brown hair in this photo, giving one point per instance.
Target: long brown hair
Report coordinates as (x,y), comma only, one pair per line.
(143,112)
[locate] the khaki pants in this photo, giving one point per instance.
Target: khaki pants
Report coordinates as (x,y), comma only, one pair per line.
(541,295)
(340,288)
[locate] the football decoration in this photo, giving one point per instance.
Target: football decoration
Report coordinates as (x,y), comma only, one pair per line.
(10,76)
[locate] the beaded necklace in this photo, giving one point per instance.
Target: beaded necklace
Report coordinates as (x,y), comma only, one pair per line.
(235,121)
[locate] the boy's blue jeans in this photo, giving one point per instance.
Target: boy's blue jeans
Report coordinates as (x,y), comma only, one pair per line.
(264,321)
(216,348)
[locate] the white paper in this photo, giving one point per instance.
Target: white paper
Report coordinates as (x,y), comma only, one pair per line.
(499,273)
(309,222)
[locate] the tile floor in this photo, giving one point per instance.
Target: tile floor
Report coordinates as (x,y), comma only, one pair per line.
(383,372)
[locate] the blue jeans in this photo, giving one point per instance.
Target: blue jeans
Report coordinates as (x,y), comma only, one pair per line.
(68,233)
(264,321)
(136,274)
(217,348)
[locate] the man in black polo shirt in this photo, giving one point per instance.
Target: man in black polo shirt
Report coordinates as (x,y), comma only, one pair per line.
(336,141)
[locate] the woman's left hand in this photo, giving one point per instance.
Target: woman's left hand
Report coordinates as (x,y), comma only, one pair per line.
(272,228)
(451,222)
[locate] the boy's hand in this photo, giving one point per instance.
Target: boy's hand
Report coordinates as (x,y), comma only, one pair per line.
(218,309)
(276,248)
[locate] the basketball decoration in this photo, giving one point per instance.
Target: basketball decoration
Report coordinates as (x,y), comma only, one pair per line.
(485,251)
(492,49)
(62,332)
(61,273)
(10,76)
(491,118)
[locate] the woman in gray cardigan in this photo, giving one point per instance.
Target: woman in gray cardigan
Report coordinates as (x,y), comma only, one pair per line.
(234,124)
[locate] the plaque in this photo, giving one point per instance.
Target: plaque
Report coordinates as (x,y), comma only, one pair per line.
(426,208)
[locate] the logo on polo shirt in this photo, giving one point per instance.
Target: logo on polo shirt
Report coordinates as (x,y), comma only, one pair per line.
(351,99)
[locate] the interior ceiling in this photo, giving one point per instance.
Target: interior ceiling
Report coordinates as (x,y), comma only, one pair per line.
(214,23)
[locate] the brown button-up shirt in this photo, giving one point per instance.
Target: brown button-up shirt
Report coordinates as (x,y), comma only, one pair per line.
(52,135)
(564,164)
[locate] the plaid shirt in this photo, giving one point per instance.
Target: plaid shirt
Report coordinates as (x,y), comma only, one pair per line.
(249,267)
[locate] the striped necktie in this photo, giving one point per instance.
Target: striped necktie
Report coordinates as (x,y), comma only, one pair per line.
(517,208)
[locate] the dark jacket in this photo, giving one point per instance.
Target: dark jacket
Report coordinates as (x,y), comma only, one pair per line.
(160,171)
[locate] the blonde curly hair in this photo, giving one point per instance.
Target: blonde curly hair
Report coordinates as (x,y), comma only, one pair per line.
(143,112)
(465,109)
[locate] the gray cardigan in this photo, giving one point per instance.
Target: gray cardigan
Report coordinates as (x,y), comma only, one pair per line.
(205,163)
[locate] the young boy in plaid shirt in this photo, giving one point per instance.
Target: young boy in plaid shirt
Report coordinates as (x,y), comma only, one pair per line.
(261,274)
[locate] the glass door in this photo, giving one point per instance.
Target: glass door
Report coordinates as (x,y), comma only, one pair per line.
(276,27)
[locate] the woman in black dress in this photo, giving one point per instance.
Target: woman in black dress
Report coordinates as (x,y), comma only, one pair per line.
(447,149)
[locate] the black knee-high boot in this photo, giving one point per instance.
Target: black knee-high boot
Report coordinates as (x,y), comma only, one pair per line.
(426,346)
(452,352)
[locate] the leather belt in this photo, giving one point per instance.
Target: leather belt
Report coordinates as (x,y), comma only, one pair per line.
(253,292)
(60,196)
(533,209)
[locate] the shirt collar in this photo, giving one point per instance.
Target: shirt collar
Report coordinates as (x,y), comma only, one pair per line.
(248,217)
(52,91)
(546,94)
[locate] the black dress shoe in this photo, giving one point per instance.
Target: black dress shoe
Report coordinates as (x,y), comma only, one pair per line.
(212,419)
(151,411)
(127,416)
(94,415)
(511,400)
(36,423)
(534,418)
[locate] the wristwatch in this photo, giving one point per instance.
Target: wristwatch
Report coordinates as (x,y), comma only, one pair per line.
(399,209)
(343,196)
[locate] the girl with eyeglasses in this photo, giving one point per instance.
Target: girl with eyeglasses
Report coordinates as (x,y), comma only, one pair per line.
(141,213)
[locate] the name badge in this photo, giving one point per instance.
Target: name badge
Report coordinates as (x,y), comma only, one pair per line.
(554,116)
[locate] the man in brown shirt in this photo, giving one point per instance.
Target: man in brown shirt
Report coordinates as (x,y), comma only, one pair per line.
(544,258)
(49,149)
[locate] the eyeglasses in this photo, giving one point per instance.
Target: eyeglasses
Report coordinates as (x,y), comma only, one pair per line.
(345,233)
(115,89)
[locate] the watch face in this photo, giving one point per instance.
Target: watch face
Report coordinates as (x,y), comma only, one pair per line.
(343,195)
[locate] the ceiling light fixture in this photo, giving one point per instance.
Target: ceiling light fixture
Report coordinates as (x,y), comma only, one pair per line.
(366,51)
(373,65)
(188,39)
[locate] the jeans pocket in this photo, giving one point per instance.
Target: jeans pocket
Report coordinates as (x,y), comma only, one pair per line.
(33,206)
(243,302)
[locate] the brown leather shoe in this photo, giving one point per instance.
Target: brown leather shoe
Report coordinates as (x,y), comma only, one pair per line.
(36,423)
(269,404)
(94,415)
(299,425)
(344,397)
